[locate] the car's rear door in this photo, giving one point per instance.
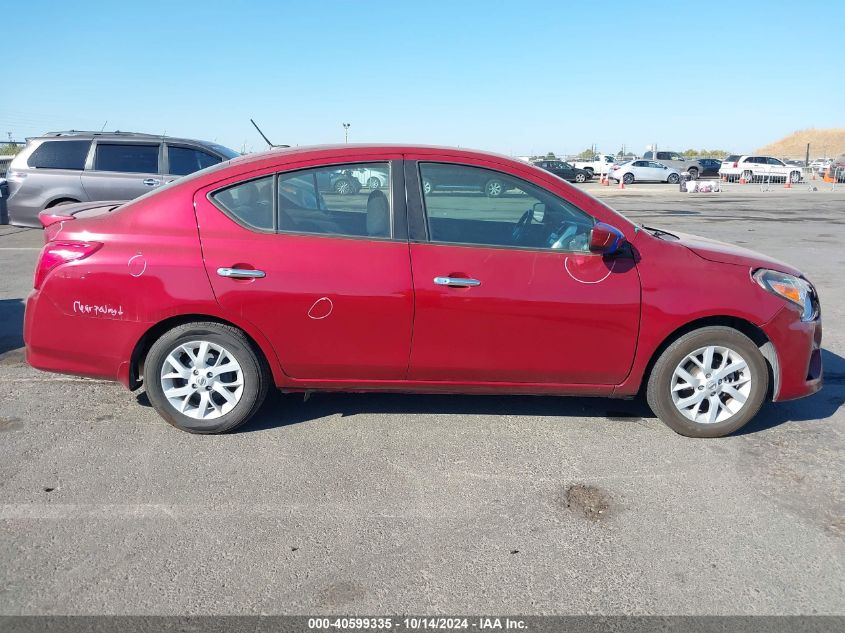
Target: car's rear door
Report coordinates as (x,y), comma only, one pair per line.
(326,277)
(122,170)
(499,301)
(181,159)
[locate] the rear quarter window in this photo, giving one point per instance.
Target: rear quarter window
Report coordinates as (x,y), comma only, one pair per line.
(60,155)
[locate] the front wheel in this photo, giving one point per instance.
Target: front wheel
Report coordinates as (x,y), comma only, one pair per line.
(628,178)
(494,188)
(205,377)
(794,177)
(373,183)
(708,383)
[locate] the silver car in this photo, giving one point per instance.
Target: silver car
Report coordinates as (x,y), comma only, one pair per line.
(67,167)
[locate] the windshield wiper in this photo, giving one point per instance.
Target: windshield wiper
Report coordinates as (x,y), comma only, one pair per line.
(659,233)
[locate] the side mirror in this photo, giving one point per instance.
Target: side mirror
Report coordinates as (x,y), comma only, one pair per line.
(605,239)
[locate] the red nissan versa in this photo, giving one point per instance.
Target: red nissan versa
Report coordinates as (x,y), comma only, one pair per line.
(502,279)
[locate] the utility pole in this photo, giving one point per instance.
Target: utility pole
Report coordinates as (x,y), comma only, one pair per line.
(346,132)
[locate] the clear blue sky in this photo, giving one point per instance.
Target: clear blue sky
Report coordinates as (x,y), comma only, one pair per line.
(515,77)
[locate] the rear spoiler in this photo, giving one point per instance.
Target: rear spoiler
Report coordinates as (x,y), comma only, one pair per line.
(66,212)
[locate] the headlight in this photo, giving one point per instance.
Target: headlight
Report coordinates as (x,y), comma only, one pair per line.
(793,289)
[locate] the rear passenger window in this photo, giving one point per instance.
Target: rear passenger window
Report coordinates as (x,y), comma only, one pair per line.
(60,155)
(126,157)
(187,160)
(250,203)
(350,200)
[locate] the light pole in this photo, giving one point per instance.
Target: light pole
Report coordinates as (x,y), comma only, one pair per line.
(346,132)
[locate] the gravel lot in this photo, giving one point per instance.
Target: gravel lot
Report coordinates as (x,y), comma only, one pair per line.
(424,504)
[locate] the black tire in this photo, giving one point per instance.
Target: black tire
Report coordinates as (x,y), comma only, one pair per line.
(693,173)
(494,188)
(748,175)
(795,177)
(580,177)
(659,394)
(628,178)
(373,183)
(256,375)
(427,186)
(673,179)
(590,171)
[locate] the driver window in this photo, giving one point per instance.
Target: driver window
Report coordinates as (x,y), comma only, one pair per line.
(471,205)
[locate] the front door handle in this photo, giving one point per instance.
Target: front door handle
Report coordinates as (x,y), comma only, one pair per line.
(152,182)
(241,273)
(457,282)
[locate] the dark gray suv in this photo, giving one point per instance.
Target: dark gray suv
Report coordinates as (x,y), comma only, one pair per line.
(66,167)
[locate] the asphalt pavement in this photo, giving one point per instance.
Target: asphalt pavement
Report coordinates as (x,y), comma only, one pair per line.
(433,504)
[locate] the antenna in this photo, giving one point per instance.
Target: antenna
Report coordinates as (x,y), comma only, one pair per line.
(104,125)
(255,125)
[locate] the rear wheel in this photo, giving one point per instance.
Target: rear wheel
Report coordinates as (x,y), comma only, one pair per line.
(708,383)
(748,176)
(205,377)
(795,176)
(674,179)
(581,177)
(693,173)
(373,183)
(427,186)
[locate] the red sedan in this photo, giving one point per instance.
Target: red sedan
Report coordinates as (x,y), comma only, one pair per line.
(261,272)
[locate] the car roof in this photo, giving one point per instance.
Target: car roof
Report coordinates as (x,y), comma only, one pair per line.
(117,134)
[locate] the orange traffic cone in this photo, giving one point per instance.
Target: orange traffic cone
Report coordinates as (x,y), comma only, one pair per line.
(788,183)
(605,181)
(724,178)
(622,182)
(742,180)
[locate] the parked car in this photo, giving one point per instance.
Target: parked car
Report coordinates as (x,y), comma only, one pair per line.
(564,170)
(598,164)
(491,185)
(644,171)
(820,164)
(710,166)
(214,288)
(66,167)
(371,178)
(677,161)
(836,168)
(759,168)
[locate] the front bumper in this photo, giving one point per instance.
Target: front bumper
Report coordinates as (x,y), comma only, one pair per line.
(797,345)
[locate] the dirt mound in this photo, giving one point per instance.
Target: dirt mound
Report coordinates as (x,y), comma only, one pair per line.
(829,142)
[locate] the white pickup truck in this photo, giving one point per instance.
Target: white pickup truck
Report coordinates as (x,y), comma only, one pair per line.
(600,164)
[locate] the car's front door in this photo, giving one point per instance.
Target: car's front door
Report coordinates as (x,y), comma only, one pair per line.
(324,275)
(507,290)
(122,170)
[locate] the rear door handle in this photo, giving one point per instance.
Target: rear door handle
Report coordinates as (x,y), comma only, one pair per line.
(152,182)
(457,282)
(241,273)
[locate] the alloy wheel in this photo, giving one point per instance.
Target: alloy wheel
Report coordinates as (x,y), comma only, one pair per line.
(202,380)
(711,384)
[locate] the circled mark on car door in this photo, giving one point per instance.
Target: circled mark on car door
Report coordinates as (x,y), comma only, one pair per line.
(321,309)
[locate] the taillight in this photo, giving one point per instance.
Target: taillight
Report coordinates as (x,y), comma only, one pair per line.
(58,253)
(736,164)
